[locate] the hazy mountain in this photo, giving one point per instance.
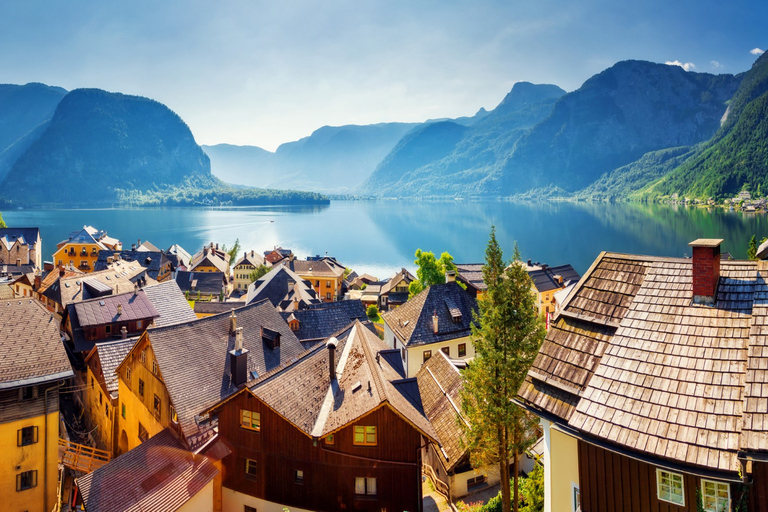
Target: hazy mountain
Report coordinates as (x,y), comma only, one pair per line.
(98,142)
(25,111)
(332,159)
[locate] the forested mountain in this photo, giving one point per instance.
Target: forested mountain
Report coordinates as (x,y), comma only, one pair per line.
(25,111)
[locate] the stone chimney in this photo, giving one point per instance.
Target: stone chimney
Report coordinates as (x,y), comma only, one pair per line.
(331,346)
(238,360)
(706,269)
(124,332)
(450,276)
(435,323)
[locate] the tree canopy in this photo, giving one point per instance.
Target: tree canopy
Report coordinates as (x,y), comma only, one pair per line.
(2,222)
(430,270)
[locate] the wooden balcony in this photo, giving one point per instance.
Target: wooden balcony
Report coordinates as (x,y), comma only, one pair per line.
(80,457)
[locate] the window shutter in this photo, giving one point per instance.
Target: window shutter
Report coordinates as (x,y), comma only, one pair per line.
(35,435)
(18,438)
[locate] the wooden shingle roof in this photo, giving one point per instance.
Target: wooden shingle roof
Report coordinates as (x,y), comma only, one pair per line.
(634,362)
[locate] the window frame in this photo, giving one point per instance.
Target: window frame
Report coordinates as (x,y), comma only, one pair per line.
(369,486)
(250,425)
(32,475)
(659,483)
(141,387)
(157,407)
(426,355)
(367,430)
(716,498)
(26,436)
(251,469)
(298,476)
(462,350)
(446,351)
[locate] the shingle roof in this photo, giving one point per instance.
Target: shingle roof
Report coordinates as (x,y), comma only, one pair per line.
(544,278)
(170,303)
(281,285)
(210,283)
(396,279)
(412,322)
(30,345)
(27,236)
(178,256)
(150,260)
(250,258)
(111,354)
(322,320)
(158,475)
(117,279)
(104,310)
(439,385)
(194,357)
(317,268)
(632,361)
(472,275)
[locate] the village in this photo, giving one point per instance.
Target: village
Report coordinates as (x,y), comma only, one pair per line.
(227,380)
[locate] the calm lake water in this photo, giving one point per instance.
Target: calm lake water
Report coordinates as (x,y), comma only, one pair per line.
(380,237)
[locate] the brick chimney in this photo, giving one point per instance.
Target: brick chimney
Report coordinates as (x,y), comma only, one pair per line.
(331,346)
(238,360)
(706,269)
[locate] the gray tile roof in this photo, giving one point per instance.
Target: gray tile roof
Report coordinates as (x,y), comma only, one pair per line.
(170,303)
(111,354)
(250,258)
(322,320)
(412,322)
(194,357)
(150,260)
(209,283)
(119,278)
(158,475)
(544,278)
(28,236)
(30,345)
(472,275)
(281,285)
(104,310)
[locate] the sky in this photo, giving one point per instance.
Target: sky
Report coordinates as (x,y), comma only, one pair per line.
(264,73)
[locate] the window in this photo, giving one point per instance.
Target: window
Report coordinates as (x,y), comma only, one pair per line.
(128,373)
(26,480)
(250,509)
(446,351)
(123,411)
(26,436)
(402,350)
(715,496)
(317,284)
(28,393)
(327,284)
(138,324)
(250,467)
(329,439)
(143,356)
(158,405)
(172,414)
(250,420)
(365,486)
(462,349)
(108,329)
(101,398)
(669,487)
(298,476)
(154,367)
(427,355)
(106,410)
(328,295)
(143,434)
(141,388)
(91,382)
(365,435)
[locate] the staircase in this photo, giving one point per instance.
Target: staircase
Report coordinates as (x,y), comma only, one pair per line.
(80,457)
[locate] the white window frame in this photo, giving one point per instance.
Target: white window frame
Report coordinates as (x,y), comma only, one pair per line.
(671,474)
(715,497)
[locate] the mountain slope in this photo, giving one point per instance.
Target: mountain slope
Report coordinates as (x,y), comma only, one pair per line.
(737,156)
(25,111)
(98,142)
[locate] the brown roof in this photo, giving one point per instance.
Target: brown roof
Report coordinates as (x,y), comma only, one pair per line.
(393,281)
(118,278)
(439,385)
(316,268)
(104,310)
(111,354)
(632,361)
(158,475)
(31,348)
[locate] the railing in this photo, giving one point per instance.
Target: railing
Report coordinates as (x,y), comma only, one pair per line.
(81,457)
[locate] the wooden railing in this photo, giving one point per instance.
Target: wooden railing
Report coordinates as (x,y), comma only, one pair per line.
(81,457)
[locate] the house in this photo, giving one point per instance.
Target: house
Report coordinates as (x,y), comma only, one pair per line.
(471,274)
(160,475)
(277,254)
(437,319)
(547,281)
(284,289)
(357,281)
(173,373)
(210,259)
(33,368)
(202,285)
(447,462)
(24,285)
(21,246)
(51,279)
(394,292)
(179,258)
(325,274)
(81,248)
(336,429)
(244,268)
(650,386)
(320,321)
(158,265)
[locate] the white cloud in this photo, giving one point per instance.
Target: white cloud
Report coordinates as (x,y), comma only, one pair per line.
(756,51)
(715,64)
(687,66)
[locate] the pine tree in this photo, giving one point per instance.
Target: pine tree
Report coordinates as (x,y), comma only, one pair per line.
(752,248)
(507,339)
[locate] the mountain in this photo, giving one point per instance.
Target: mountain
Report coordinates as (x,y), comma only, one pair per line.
(331,159)
(737,155)
(98,142)
(25,111)
(421,164)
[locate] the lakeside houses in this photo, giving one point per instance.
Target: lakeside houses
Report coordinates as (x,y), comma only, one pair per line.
(159,266)
(471,275)
(325,274)
(284,289)
(650,386)
(243,269)
(277,254)
(180,259)
(439,318)
(33,369)
(210,259)
(20,251)
(81,248)
(394,292)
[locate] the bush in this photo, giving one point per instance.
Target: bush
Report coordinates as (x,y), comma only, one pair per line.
(372,312)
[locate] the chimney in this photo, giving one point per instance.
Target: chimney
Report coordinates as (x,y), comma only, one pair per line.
(450,276)
(434,322)
(331,346)
(138,243)
(124,332)
(238,360)
(136,288)
(119,309)
(133,247)
(232,323)
(38,281)
(706,269)
(61,271)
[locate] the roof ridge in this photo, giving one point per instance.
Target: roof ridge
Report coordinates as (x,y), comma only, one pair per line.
(376,369)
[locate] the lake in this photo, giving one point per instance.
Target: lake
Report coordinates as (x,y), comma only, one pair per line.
(380,237)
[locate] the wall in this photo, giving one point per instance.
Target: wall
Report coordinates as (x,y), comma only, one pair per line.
(560,477)
(200,502)
(90,257)
(236,501)
(99,422)
(415,357)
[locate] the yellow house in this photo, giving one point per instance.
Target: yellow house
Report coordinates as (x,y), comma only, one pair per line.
(210,259)
(243,269)
(547,281)
(81,249)
(437,319)
(33,369)
(325,275)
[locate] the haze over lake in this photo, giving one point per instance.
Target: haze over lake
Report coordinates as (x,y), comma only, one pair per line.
(380,237)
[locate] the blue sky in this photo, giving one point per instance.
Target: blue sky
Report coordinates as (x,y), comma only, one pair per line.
(262,73)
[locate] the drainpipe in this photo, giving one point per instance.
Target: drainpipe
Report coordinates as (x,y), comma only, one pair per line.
(45,444)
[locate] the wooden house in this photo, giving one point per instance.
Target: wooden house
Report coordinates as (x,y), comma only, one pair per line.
(650,386)
(337,429)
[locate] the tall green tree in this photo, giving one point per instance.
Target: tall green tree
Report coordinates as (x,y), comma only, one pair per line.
(430,270)
(258,272)
(507,338)
(2,222)
(752,248)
